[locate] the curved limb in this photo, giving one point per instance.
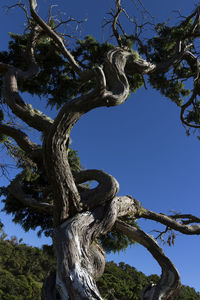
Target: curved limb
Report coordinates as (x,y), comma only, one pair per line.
(66,195)
(22,140)
(24,111)
(169,283)
(21,109)
(184,107)
(106,190)
(15,189)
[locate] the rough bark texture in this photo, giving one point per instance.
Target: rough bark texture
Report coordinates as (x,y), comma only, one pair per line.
(169,282)
(82,215)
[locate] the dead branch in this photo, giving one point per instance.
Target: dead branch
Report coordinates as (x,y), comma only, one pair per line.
(57,40)
(170,222)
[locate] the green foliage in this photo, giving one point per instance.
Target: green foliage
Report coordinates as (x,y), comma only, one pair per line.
(34,184)
(161,48)
(114,241)
(164,44)
(173,89)
(22,270)
(194,115)
(3,138)
(123,282)
(56,80)
(188,293)
(127,41)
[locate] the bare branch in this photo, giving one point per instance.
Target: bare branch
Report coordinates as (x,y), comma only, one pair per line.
(189,218)
(21,6)
(170,222)
(145,10)
(114,22)
(58,41)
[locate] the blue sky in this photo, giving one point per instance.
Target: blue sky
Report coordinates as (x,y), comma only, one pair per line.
(142,143)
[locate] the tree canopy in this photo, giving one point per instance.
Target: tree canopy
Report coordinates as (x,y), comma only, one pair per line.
(51,189)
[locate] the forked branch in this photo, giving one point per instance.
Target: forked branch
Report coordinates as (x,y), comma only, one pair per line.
(57,40)
(171,222)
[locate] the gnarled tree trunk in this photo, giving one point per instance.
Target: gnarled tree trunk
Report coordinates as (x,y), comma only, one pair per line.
(81,215)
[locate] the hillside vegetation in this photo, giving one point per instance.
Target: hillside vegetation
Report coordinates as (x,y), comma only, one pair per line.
(23,269)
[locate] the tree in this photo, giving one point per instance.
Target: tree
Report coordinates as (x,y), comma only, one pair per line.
(50,190)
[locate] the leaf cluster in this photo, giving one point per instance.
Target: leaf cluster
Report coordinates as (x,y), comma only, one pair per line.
(161,48)
(115,241)
(35,185)
(56,81)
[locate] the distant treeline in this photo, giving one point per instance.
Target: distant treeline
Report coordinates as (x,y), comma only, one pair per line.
(23,269)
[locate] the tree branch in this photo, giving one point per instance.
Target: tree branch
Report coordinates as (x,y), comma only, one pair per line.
(15,189)
(106,190)
(24,111)
(114,22)
(170,280)
(184,107)
(56,143)
(58,41)
(21,139)
(32,117)
(169,221)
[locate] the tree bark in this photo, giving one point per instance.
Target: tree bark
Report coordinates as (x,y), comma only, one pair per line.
(81,215)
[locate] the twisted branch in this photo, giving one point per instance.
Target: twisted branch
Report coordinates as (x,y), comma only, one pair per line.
(107,92)
(24,111)
(170,280)
(106,190)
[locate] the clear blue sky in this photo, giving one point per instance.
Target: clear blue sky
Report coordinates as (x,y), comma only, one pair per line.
(142,143)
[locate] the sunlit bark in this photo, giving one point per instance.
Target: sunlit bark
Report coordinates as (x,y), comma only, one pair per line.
(81,215)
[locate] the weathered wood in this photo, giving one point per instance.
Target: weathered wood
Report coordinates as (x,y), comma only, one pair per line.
(82,215)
